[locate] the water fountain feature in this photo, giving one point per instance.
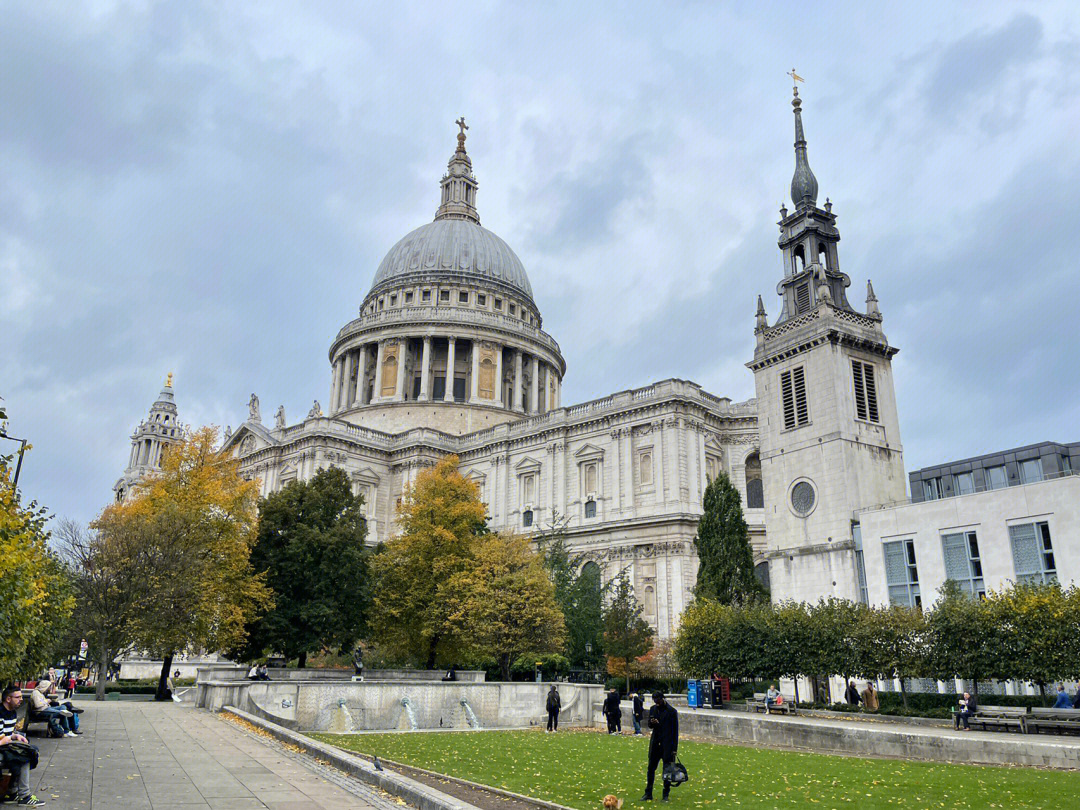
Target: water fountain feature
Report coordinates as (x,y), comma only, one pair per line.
(413,725)
(470,716)
(342,720)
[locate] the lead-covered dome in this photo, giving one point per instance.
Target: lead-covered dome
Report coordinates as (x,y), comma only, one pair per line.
(454,247)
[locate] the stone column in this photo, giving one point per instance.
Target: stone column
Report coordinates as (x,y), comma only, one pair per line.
(425,371)
(534,386)
(346,382)
(335,384)
(474,382)
(518,406)
(659,460)
(499,388)
(361,371)
(615,467)
(380,355)
(399,389)
(448,394)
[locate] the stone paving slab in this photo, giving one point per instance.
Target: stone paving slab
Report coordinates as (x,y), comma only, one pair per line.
(136,755)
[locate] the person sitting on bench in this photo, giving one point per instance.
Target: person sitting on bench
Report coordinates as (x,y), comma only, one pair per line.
(966,709)
(56,716)
(772,697)
(18,759)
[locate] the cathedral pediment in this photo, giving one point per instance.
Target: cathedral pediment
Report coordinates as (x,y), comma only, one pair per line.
(366,476)
(527,464)
(587,452)
(476,476)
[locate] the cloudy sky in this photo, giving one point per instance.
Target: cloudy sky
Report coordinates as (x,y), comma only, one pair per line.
(207,188)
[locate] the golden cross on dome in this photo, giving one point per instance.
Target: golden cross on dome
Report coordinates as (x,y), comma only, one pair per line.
(461,123)
(795,77)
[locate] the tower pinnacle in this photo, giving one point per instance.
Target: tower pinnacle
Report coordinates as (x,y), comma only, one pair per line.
(804,186)
(458,184)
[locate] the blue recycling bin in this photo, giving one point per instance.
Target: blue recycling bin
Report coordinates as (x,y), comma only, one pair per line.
(693,694)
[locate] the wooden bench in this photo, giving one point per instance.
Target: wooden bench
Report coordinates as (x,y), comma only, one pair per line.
(761,704)
(1060,720)
(999,717)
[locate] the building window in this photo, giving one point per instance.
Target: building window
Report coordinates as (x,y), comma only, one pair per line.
(463,297)
(590,508)
(860,565)
(425,295)
(996,478)
(513,309)
(645,468)
(381,301)
(901,573)
(527,518)
(1031,471)
(712,468)
(793,390)
(962,562)
(866,406)
(589,479)
(528,489)
(931,489)
(755,494)
(393,300)
(1033,553)
(444,295)
(481,300)
(408,298)
(498,304)
(965,483)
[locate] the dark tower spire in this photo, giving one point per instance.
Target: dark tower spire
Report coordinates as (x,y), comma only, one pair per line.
(804,186)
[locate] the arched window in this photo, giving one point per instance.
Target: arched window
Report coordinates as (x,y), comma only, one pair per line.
(590,575)
(761,571)
(648,604)
(590,508)
(527,518)
(755,493)
(645,470)
(822,255)
(590,478)
(798,260)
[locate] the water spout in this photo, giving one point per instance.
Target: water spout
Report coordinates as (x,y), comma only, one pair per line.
(470,716)
(342,721)
(413,726)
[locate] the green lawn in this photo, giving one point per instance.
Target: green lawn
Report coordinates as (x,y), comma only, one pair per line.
(577,768)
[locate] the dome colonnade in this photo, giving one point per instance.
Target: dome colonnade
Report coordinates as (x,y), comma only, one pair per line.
(450,322)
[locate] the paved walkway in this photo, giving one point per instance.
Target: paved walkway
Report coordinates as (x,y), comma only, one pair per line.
(168,756)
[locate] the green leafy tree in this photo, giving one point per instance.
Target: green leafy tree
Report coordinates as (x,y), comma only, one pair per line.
(893,644)
(963,637)
(578,592)
(440,518)
(1038,631)
(789,639)
(834,625)
(626,635)
(311,546)
(726,562)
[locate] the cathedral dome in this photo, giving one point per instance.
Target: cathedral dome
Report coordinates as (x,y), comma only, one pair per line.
(457,248)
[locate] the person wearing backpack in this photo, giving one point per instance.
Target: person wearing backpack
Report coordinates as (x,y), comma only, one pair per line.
(554,704)
(663,743)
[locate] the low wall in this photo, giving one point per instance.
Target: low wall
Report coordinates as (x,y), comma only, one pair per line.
(233,672)
(346,706)
(869,739)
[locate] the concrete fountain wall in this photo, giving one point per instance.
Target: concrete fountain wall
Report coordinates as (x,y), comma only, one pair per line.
(345,706)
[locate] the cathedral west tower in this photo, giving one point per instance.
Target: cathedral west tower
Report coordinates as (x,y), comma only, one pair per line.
(830,438)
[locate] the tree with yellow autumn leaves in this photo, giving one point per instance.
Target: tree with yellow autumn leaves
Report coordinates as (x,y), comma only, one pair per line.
(446,588)
(190,530)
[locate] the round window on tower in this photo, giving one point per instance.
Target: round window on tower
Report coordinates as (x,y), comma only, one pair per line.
(803,498)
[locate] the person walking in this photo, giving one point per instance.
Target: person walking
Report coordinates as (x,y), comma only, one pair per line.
(554,703)
(613,712)
(638,713)
(869,698)
(852,694)
(663,743)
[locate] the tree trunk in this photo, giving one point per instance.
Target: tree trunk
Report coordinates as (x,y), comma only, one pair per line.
(903,692)
(103,667)
(431,652)
(504,666)
(1042,691)
(162,687)
(301,660)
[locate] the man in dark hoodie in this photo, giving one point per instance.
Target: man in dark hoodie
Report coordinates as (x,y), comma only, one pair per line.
(554,703)
(613,712)
(663,743)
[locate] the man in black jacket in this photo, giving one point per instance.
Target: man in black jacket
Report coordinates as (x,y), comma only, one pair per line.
(613,712)
(664,742)
(554,703)
(639,712)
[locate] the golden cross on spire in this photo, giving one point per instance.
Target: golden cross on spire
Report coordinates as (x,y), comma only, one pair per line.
(795,77)
(461,123)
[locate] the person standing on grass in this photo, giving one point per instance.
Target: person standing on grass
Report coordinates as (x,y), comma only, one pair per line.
(554,703)
(663,743)
(613,712)
(639,713)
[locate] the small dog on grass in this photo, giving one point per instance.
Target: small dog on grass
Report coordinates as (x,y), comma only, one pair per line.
(612,802)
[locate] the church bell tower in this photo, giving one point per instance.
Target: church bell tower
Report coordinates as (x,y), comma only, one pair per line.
(830,439)
(150,441)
